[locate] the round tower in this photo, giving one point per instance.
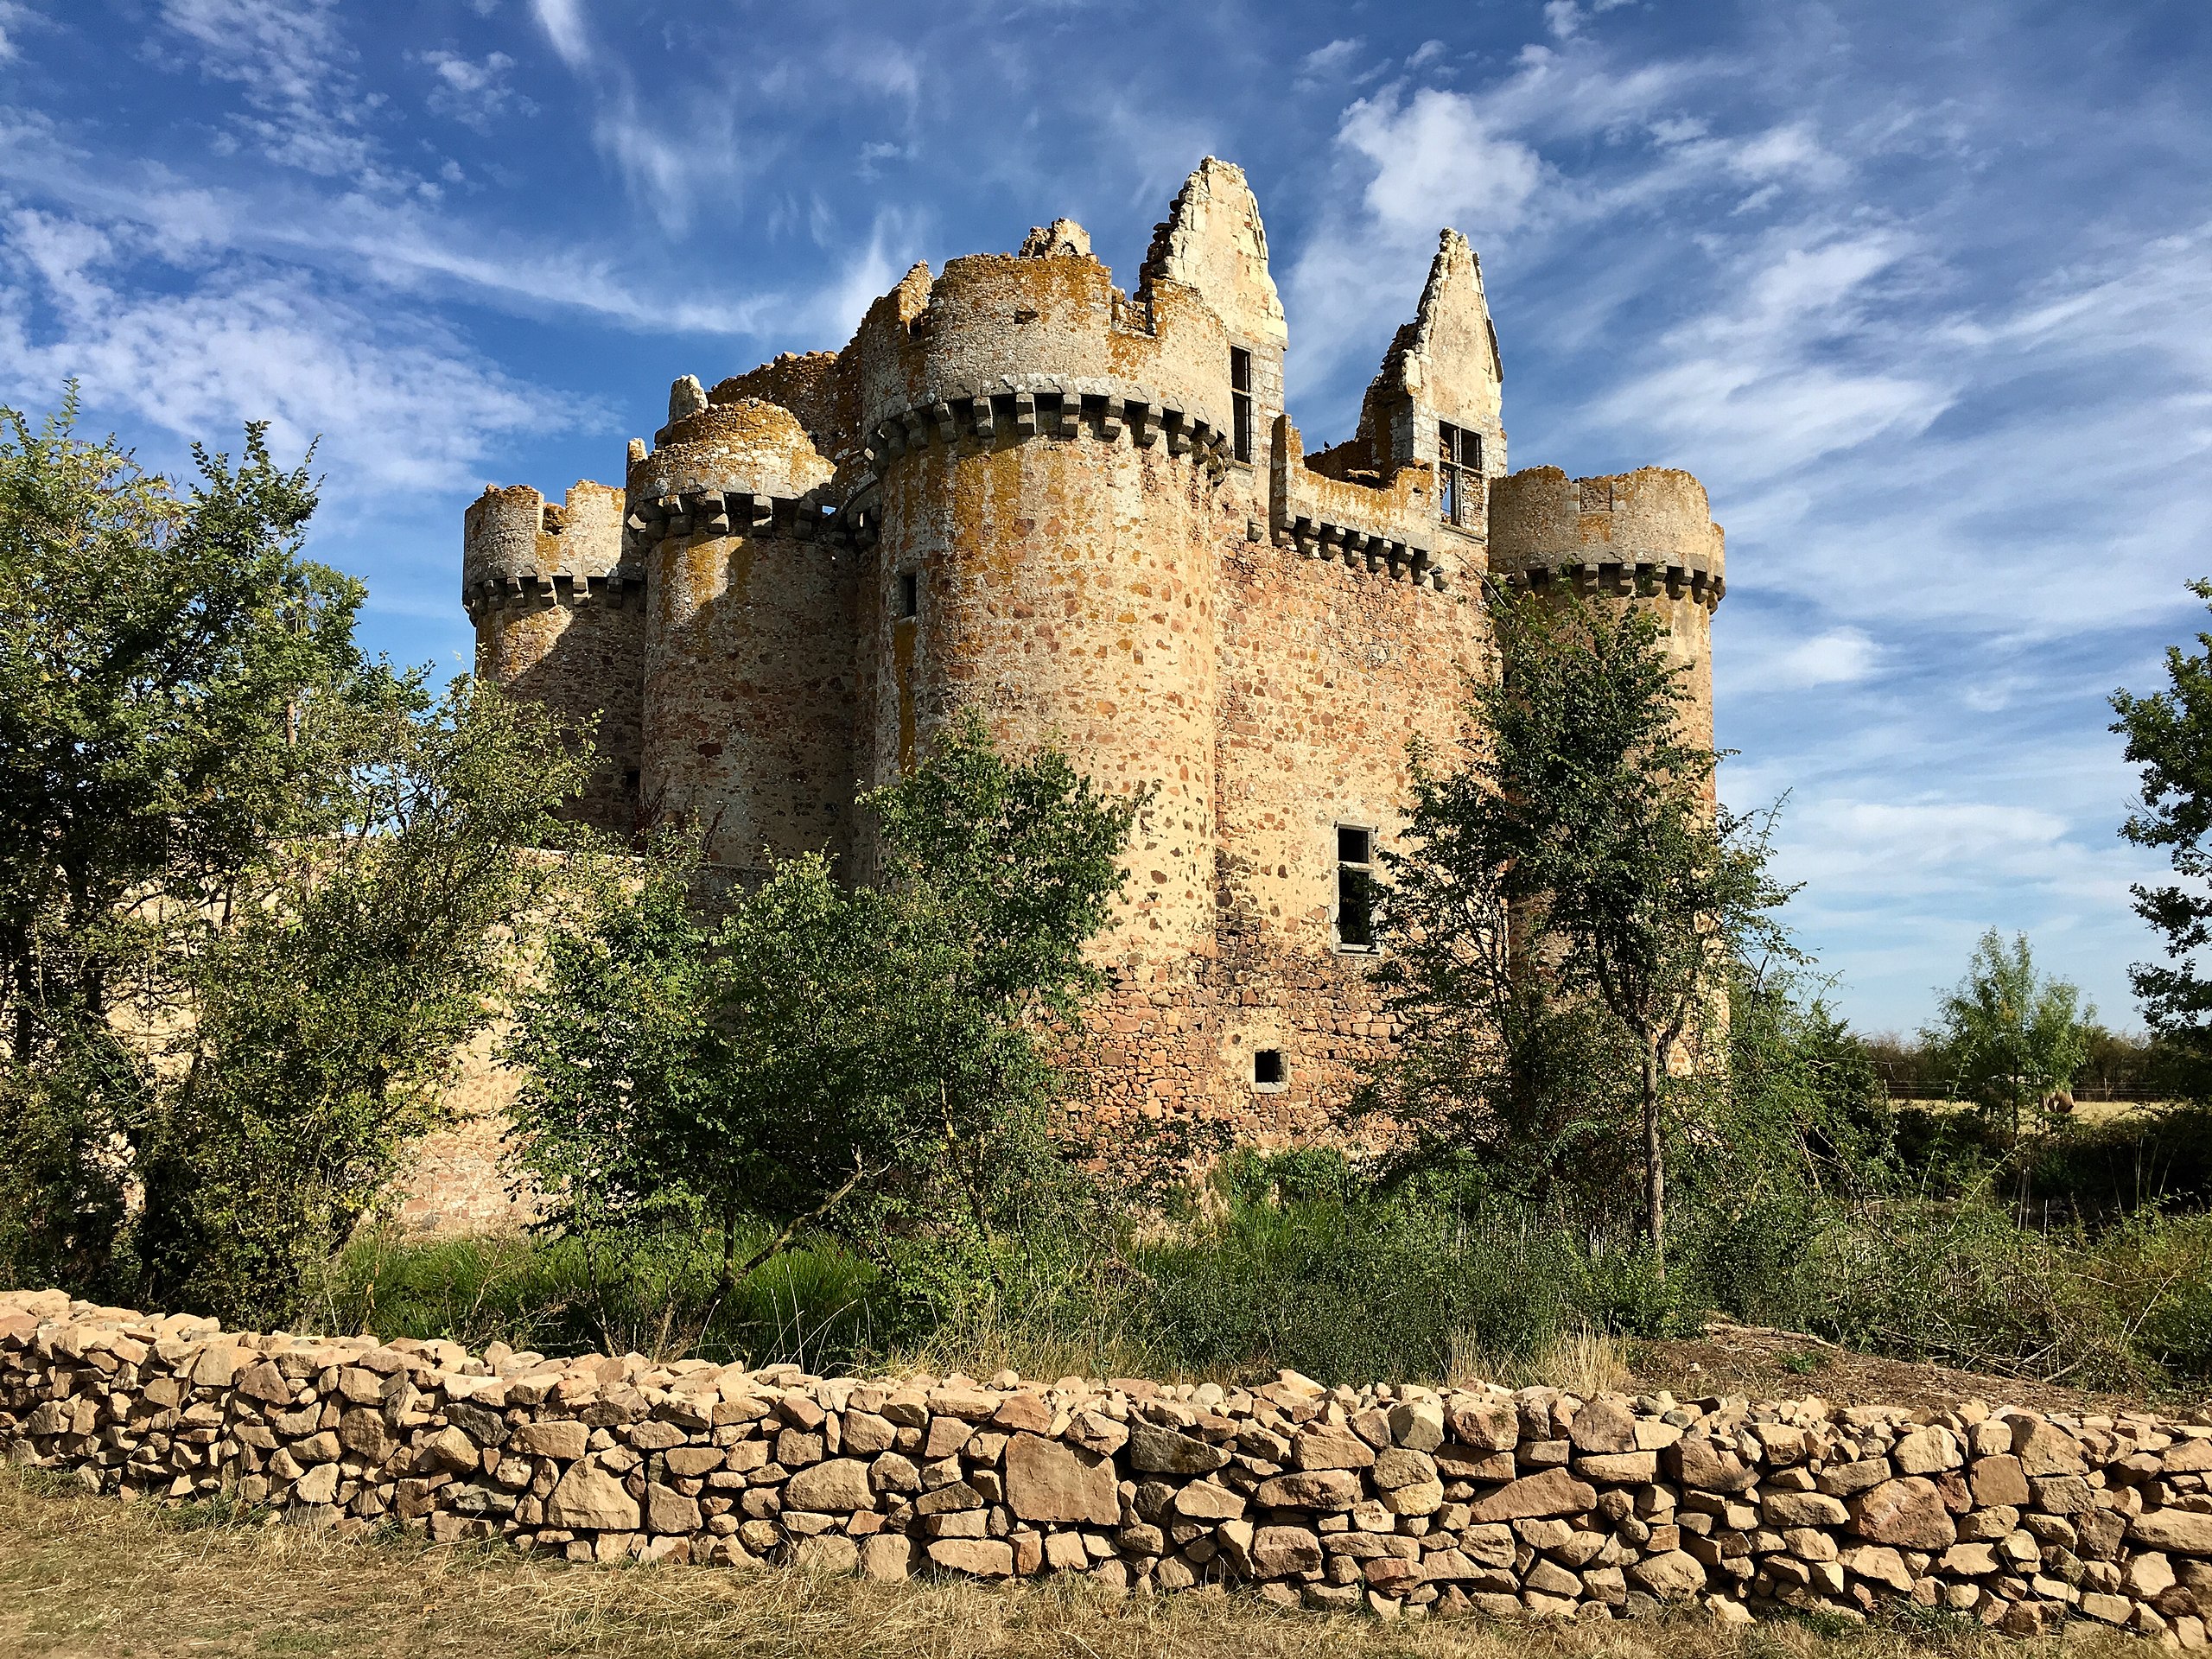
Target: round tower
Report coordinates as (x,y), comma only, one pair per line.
(1049,513)
(1645,538)
(748,675)
(557,620)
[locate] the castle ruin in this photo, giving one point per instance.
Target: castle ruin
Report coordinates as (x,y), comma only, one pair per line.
(1086,514)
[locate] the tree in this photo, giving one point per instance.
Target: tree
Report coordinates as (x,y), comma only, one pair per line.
(324,1016)
(2170,736)
(254,887)
(156,651)
(1573,860)
(867,1061)
(2008,1037)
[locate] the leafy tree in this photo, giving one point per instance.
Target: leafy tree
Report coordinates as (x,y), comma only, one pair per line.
(2170,736)
(1573,860)
(2008,1037)
(254,887)
(324,1017)
(872,1061)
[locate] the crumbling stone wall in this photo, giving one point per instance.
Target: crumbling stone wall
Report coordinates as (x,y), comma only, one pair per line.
(1386,1498)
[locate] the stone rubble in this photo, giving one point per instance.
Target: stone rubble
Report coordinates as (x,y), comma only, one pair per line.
(1398,1500)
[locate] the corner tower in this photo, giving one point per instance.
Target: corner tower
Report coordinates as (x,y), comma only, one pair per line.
(1645,537)
(559,619)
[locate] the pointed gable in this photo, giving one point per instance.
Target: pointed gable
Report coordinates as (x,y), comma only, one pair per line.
(1213,241)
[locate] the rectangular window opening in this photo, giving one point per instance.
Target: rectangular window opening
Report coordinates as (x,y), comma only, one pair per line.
(910,593)
(1267,1068)
(1240,400)
(1458,462)
(1355,887)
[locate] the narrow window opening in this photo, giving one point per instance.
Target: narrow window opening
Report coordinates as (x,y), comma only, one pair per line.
(1240,400)
(910,593)
(1458,462)
(1266,1067)
(1355,887)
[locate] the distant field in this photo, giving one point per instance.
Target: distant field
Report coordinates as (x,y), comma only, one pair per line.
(81,1577)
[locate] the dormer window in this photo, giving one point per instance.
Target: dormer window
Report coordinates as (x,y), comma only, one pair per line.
(1458,463)
(1240,401)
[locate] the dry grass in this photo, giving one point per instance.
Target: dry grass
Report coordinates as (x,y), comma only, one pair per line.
(82,1576)
(1580,1362)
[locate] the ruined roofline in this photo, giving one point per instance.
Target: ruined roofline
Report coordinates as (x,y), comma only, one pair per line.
(1003,348)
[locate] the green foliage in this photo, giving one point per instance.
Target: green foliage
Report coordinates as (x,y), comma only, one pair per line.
(1570,899)
(2009,1037)
(254,888)
(326,1014)
(2170,736)
(873,1062)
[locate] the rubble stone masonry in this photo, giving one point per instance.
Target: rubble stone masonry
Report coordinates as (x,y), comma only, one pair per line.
(1086,514)
(1387,1499)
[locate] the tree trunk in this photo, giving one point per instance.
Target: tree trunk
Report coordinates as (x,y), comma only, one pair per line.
(1655,1170)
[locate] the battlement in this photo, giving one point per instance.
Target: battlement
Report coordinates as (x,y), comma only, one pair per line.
(1021,407)
(1641,532)
(1390,527)
(517,549)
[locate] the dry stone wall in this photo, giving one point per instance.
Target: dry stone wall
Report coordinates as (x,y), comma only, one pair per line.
(1384,1498)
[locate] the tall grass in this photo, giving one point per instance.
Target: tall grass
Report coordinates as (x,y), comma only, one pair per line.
(1290,1265)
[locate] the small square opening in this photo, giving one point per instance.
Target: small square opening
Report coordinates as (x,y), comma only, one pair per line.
(910,593)
(1267,1068)
(1354,845)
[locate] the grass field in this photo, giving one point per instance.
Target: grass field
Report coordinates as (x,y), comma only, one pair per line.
(86,1576)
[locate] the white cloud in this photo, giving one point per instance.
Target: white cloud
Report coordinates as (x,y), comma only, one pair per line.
(1836,657)
(473,93)
(1333,59)
(14,17)
(402,405)
(565,30)
(1438,162)
(304,108)
(1844,846)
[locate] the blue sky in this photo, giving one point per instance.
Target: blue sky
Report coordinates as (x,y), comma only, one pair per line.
(1921,291)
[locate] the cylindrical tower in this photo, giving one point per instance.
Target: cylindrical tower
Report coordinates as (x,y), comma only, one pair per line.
(748,682)
(1049,514)
(1645,536)
(558,619)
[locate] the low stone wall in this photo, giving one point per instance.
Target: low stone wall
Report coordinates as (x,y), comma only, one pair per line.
(1391,1499)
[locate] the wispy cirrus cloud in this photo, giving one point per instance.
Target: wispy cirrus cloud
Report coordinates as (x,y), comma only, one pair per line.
(396,404)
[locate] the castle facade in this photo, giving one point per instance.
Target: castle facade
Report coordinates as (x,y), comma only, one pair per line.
(1086,514)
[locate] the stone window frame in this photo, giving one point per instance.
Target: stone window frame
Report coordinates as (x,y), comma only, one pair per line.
(1241,423)
(1362,869)
(1458,459)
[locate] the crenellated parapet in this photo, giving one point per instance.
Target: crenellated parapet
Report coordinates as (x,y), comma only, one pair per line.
(1390,528)
(520,552)
(1017,408)
(1640,534)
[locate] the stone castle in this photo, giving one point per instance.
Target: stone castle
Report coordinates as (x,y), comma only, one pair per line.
(1086,514)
